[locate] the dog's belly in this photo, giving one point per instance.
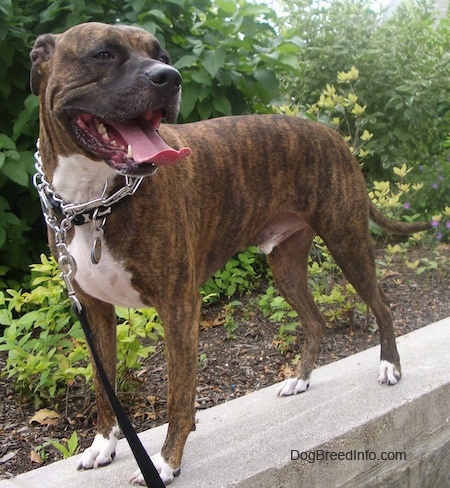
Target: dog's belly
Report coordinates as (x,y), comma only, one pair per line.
(108,280)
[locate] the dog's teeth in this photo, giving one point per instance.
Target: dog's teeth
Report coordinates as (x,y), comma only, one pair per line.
(130,152)
(114,143)
(101,128)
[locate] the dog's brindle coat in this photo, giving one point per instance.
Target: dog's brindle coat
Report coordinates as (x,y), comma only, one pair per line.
(271,181)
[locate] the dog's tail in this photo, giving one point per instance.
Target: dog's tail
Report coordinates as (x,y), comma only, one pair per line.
(395,227)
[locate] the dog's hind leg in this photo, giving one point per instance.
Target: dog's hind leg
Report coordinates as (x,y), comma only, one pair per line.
(102,319)
(354,254)
(289,264)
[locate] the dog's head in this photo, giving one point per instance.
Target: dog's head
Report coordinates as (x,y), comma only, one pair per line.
(108,87)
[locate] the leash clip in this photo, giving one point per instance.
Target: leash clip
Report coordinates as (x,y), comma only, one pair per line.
(68,267)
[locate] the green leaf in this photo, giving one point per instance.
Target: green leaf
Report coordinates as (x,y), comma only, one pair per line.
(189,99)
(6,142)
(228,6)
(16,171)
(222,105)
(251,10)
(185,61)
(158,14)
(61,448)
(12,219)
(401,134)
(214,24)
(138,5)
(5,315)
(267,84)
(72,443)
(202,77)
(292,45)
(6,7)
(214,60)
(289,60)
(231,290)
(149,26)
(28,116)
(205,109)
(203,92)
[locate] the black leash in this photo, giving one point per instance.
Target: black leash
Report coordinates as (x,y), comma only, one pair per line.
(143,460)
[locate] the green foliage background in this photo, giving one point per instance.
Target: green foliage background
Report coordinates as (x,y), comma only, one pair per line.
(404,66)
(239,57)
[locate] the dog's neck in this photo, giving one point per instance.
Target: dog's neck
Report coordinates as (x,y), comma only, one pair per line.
(78,179)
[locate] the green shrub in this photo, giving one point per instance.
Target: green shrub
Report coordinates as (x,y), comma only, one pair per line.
(410,192)
(404,69)
(233,57)
(239,275)
(46,347)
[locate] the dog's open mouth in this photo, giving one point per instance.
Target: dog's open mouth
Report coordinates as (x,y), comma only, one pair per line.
(132,147)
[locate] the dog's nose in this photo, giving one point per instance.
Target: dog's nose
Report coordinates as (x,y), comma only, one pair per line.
(164,77)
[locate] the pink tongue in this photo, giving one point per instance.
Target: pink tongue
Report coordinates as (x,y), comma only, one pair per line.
(149,147)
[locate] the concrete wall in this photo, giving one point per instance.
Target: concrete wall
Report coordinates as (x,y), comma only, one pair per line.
(249,442)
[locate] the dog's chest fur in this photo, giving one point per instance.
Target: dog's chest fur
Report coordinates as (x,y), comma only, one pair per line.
(108,280)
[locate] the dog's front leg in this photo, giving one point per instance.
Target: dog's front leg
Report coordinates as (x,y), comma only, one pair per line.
(102,319)
(181,330)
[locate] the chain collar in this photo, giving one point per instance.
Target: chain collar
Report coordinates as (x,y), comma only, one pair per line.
(61,215)
(79,213)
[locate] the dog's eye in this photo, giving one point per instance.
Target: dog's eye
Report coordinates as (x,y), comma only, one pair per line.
(104,56)
(165,59)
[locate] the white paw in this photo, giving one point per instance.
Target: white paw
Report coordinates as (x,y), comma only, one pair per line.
(388,373)
(102,451)
(292,386)
(166,473)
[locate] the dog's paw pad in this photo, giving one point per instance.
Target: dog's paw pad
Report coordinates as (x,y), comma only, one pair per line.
(101,453)
(389,374)
(292,386)
(166,473)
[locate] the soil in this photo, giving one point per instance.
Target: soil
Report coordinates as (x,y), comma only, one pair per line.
(229,367)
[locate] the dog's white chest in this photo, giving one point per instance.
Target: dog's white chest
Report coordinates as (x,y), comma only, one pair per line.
(108,280)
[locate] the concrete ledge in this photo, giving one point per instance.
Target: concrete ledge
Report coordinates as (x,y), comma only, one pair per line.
(248,441)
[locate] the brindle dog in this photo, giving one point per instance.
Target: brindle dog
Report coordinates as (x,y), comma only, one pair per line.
(222,185)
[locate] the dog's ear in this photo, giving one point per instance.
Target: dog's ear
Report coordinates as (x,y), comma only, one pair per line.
(42,51)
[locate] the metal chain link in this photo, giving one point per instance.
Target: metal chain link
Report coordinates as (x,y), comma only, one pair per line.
(61,227)
(71,210)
